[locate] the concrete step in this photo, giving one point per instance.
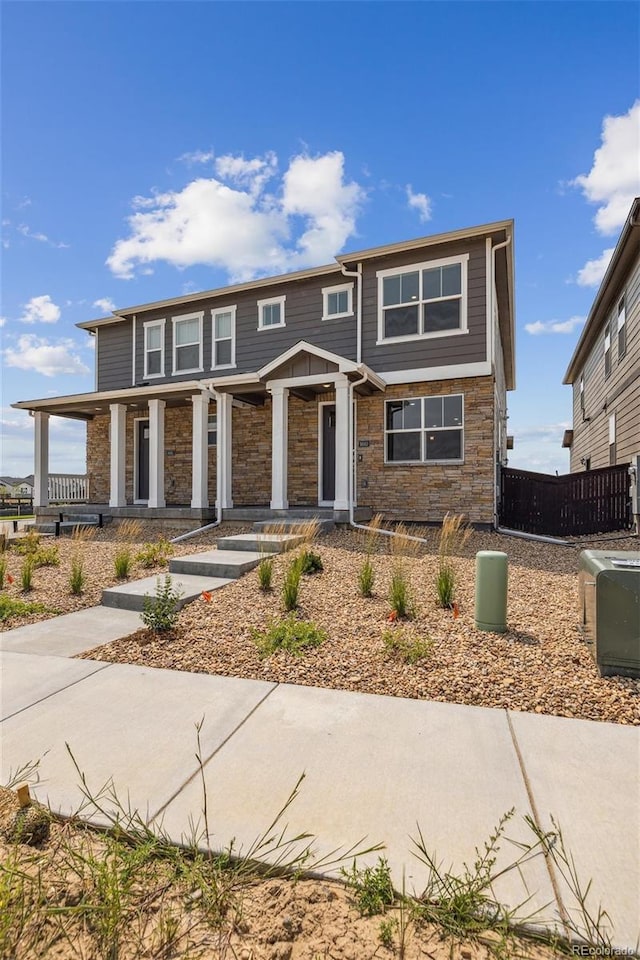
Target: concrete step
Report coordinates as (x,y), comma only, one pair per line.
(65,528)
(260,542)
(216,563)
(291,524)
(130,595)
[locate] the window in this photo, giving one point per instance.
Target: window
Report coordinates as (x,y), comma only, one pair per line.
(187,343)
(212,430)
(426,300)
(622,330)
(607,350)
(612,439)
(337,302)
(425,430)
(224,338)
(153,349)
(271,313)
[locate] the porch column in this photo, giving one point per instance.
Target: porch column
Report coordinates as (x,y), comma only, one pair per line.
(156,453)
(224,451)
(41,464)
(279,446)
(343,453)
(117,488)
(200,451)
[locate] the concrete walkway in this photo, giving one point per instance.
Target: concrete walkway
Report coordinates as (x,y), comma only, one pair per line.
(375,767)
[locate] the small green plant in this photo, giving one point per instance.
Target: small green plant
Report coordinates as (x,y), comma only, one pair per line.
(161,612)
(371,886)
(454,534)
(11,607)
(366,578)
(400,596)
(3,571)
(291,584)
(46,556)
(386,932)
(310,562)
(29,543)
(445,585)
(122,562)
(26,574)
(265,573)
(155,554)
(77,577)
(398,642)
(290,634)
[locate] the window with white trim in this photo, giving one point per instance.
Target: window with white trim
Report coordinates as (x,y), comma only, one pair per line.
(271,313)
(607,350)
(187,343)
(337,302)
(223,338)
(212,430)
(153,349)
(424,300)
(425,430)
(622,330)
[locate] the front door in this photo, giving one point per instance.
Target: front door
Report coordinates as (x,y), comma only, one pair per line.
(142,491)
(328,453)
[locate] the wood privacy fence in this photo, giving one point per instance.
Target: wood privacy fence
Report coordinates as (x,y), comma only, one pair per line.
(596,501)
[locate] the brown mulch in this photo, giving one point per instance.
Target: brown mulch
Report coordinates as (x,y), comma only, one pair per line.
(541,664)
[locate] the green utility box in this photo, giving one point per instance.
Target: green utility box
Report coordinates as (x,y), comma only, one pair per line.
(609,588)
(491,591)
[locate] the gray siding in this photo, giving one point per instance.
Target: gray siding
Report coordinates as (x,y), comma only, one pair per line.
(432,351)
(114,356)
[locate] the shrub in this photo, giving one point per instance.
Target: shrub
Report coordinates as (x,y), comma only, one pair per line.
(77,578)
(161,612)
(122,562)
(366,577)
(3,571)
(372,887)
(265,573)
(12,607)
(453,536)
(400,597)
(155,554)
(29,543)
(411,649)
(26,574)
(288,634)
(310,562)
(46,556)
(291,585)
(445,585)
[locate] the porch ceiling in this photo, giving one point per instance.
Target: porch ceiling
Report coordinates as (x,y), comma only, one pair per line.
(86,406)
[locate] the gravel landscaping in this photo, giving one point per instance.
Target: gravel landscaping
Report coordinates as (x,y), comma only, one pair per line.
(541,664)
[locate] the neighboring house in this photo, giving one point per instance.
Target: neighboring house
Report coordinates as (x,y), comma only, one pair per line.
(605,367)
(16,487)
(242,395)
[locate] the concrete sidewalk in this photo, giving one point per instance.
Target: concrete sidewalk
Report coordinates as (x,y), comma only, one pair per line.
(375,767)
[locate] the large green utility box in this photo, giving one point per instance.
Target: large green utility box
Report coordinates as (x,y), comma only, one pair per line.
(609,582)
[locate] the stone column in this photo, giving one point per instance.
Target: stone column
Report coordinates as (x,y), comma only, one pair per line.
(279,446)
(224,451)
(343,452)
(156,453)
(117,488)
(200,451)
(41,464)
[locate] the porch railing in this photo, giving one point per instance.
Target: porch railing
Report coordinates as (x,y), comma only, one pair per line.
(68,487)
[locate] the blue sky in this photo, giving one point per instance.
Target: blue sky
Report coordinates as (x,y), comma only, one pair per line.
(155,148)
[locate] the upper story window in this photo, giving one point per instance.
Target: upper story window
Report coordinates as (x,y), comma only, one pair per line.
(424,300)
(622,329)
(425,430)
(223,338)
(337,302)
(187,343)
(153,349)
(607,350)
(271,313)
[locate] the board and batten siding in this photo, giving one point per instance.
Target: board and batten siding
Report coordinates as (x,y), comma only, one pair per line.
(619,394)
(114,349)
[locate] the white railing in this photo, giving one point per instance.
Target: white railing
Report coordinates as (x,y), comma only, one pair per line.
(70,487)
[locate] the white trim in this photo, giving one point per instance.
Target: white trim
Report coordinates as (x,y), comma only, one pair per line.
(343,453)
(341,288)
(235,379)
(145,350)
(423,461)
(224,451)
(41,459)
(463,260)
(156,453)
(321,404)
(95,362)
(309,381)
(214,313)
(266,303)
(302,346)
(489,294)
(133,351)
(458,371)
(136,454)
(199,316)
(279,447)
(117,455)
(612,428)
(200,451)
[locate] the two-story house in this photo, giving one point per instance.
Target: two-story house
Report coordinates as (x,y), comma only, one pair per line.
(379,380)
(605,367)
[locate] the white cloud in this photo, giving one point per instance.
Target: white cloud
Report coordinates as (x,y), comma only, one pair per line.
(594,270)
(614,178)
(197,156)
(234,223)
(105,303)
(420,202)
(41,237)
(542,433)
(3,320)
(67,450)
(41,310)
(42,356)
(554,326)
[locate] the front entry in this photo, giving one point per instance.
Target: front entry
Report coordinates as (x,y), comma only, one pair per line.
(327,453)
(142,465)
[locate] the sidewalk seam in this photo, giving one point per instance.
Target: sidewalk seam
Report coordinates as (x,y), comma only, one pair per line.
(161,809)
(54,693)
(534,810)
